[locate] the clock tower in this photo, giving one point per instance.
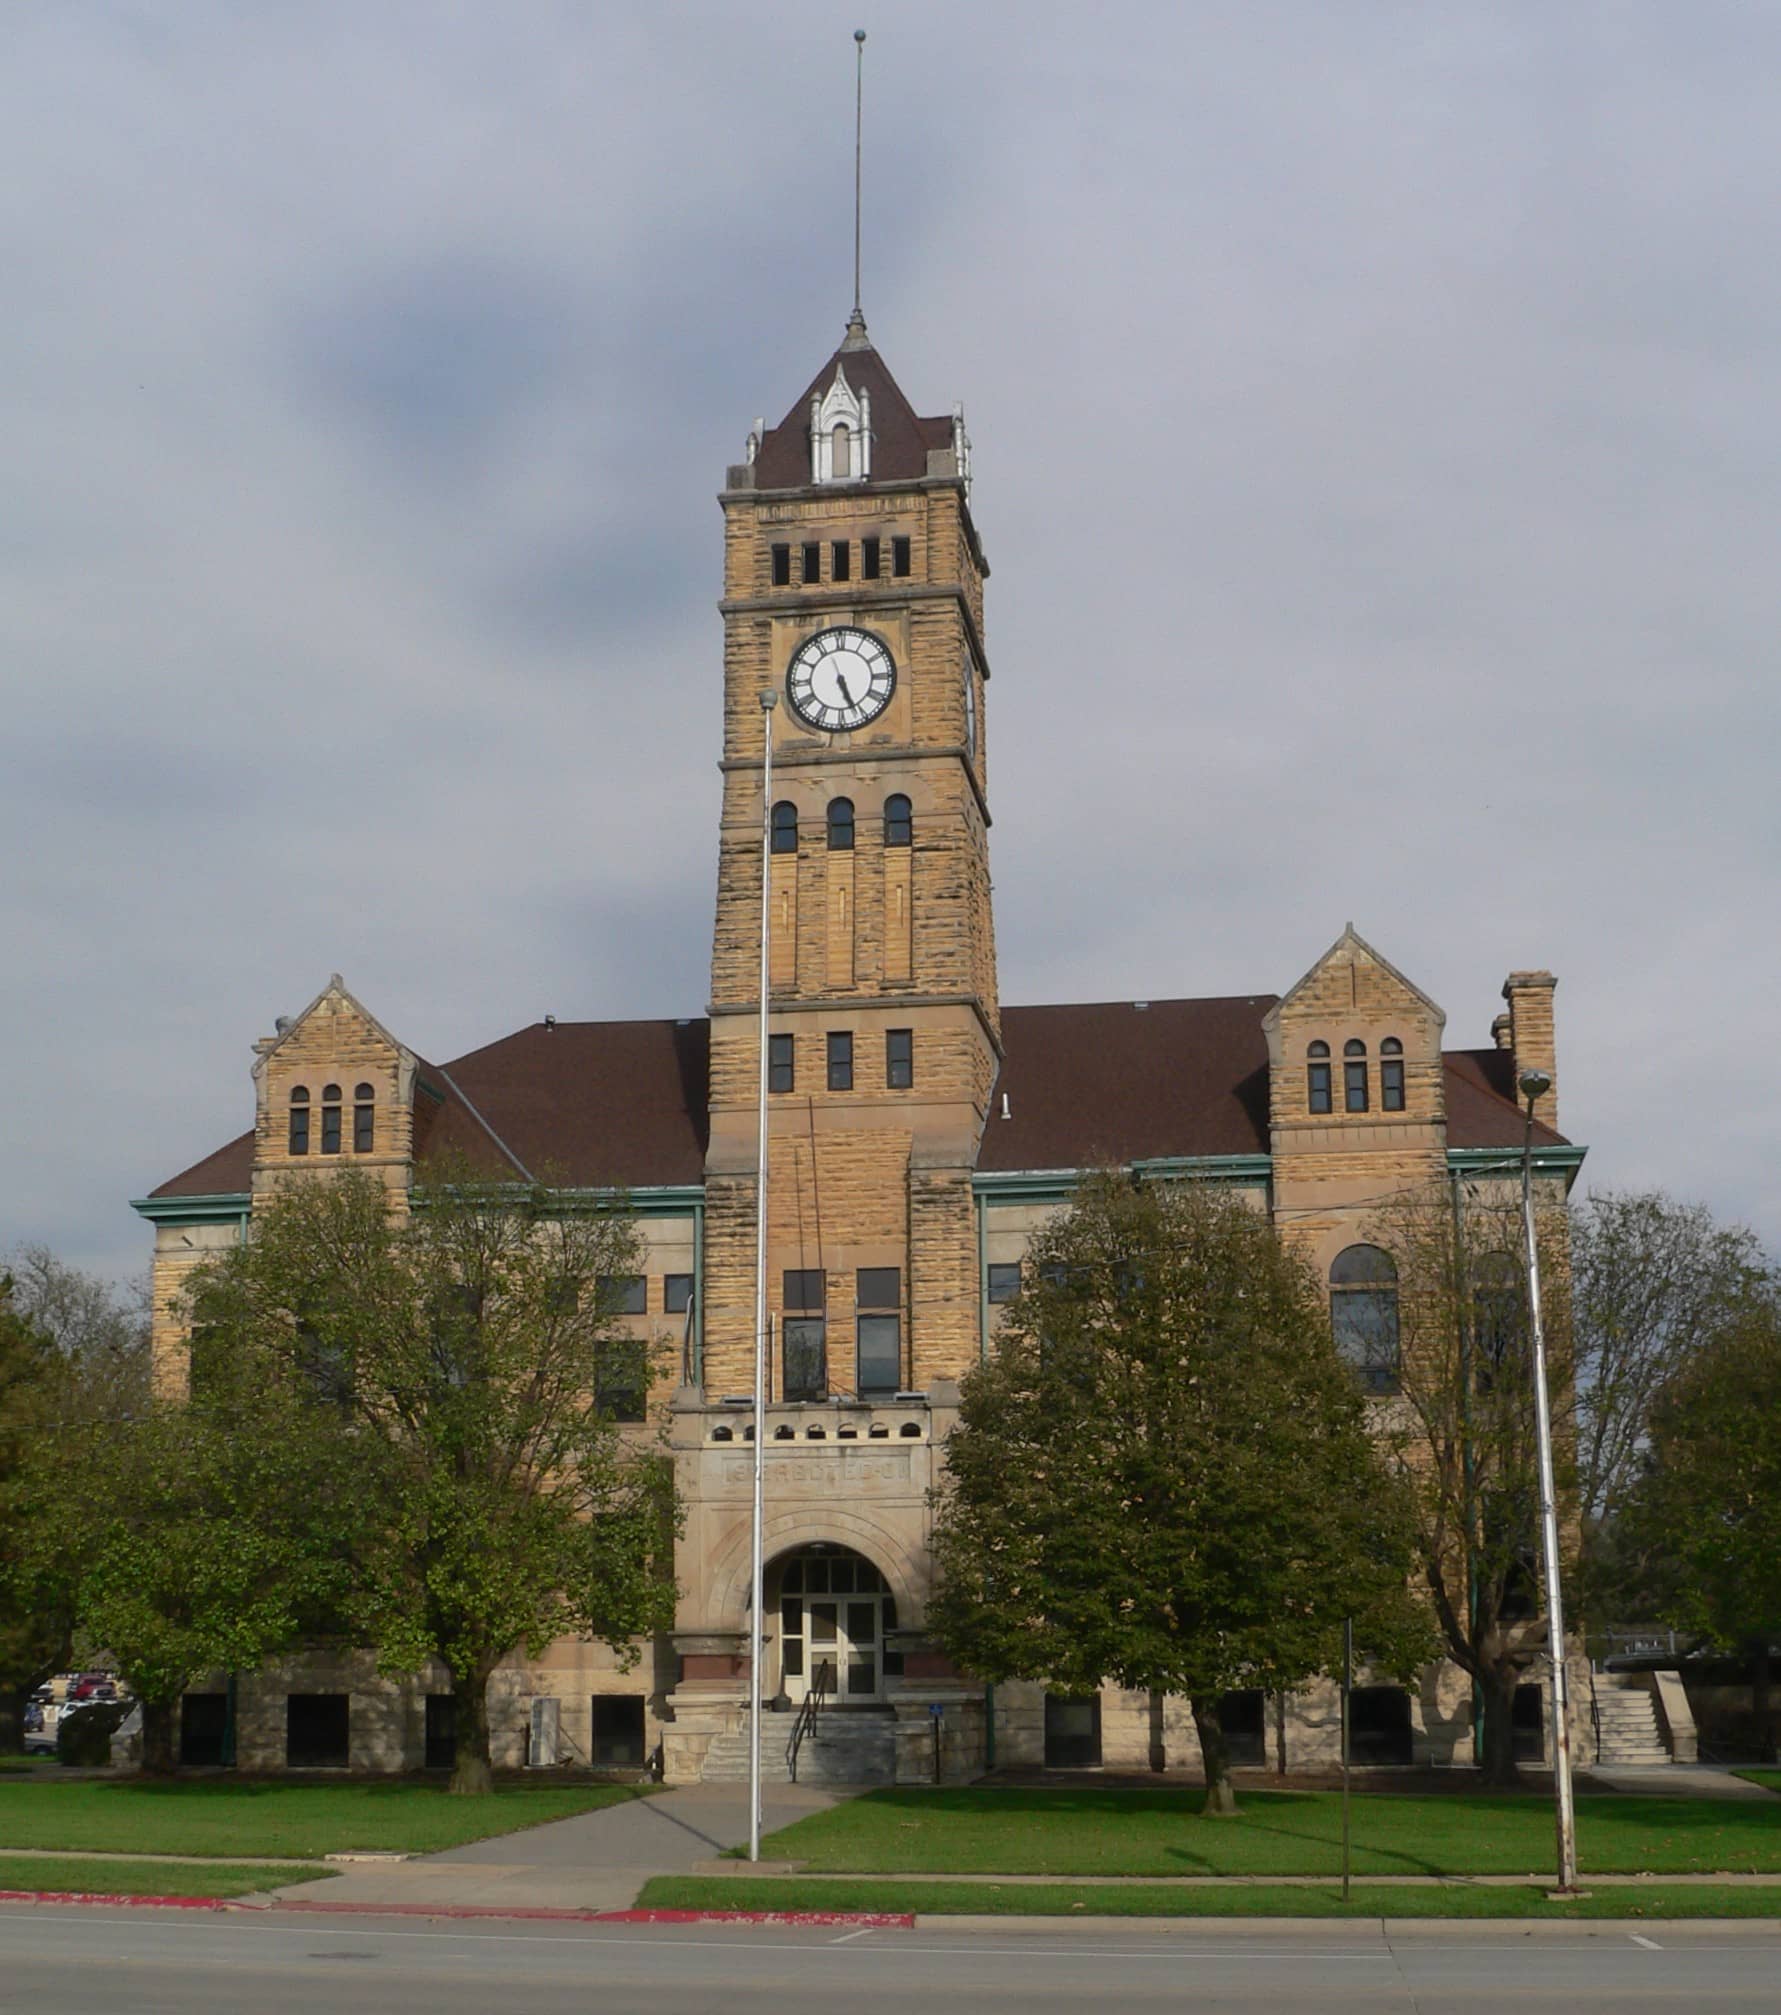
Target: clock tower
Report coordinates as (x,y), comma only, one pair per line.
(853,590)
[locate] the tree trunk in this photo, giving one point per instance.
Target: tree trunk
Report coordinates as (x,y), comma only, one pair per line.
(158,1721)
(1499,1765)
(12,1719)
(1760,1696)
(472,1766)
(1215,1756)
(1159,1759)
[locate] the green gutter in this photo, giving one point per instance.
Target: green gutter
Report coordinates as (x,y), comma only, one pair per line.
(191,1209)
(1561,1158)
(1056,1185)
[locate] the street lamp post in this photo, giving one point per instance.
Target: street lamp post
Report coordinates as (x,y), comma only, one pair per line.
(757,1575)
(1535,1084)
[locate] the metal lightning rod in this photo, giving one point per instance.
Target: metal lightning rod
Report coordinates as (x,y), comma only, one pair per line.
(859,88)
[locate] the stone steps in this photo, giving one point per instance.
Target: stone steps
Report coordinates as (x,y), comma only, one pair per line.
(1629,1734)
(842,1749)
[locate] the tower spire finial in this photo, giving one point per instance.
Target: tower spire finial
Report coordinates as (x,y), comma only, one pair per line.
(857,322)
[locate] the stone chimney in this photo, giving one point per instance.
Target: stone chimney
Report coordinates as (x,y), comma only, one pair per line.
(1531,1033)
(1499,1033)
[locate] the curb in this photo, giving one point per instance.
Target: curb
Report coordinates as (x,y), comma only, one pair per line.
(866,1920)
(123,1901)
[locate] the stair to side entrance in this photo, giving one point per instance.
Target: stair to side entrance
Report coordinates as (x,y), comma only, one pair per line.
(1630,1735)
(847,1746)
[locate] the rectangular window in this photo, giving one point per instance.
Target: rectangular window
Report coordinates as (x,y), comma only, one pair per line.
(621,1379)
(204,1728)
(677,1293)
(1391,1084)
(299,1129)
(840,1060)
(317,1731)
(1317,1086)
(624,1294)
(364,1120)
(330,1129)
(441,1732)
(879,1287)
(617,1728)
(839,556)
(869,559)
(812,563)
(779,1063)
(782,566)
(900,558)
(1072,1732)
(880,1354)
(805,1374)
(899,1058)
(1354,1080)
(1004,1282)
(802,1289)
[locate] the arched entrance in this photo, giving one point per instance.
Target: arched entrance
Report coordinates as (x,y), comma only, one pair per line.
(835,1613)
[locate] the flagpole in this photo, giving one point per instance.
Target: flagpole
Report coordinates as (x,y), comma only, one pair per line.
(757,1574)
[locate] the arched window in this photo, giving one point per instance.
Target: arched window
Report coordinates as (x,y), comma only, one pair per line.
(1317,1077)
(1354,1076)
(1364,1315)
(330,1119)
(840,825)
(899,821)
(785,827)
(1391,1075)
(1499,1318)
(299,1119)
(841,451)
(364,1118)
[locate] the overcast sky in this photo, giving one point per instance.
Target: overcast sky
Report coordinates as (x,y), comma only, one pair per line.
(1377,427)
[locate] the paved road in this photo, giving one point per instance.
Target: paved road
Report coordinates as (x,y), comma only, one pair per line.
(98,1963)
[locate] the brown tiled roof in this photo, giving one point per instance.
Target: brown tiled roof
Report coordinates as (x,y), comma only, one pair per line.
(227,1172)
(1116,1082)
(1481,1108)
(623,1104)
(595,1104)
(900,437)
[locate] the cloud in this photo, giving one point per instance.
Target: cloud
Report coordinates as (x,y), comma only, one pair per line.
(1375,451)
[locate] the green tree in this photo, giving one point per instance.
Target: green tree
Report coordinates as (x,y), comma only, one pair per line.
(1702,1528)
(469,1351)
(36,1592)
(1463,1432)
(73,1355)
(1163,1474)
(212,1534)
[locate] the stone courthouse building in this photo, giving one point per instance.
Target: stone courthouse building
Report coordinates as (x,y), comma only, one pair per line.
(920,1132)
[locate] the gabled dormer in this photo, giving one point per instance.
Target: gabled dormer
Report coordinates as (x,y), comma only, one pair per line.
(1353,1048)
(332,1087)
(841,432)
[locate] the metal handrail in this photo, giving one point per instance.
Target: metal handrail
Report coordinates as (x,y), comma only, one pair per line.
(822,1685)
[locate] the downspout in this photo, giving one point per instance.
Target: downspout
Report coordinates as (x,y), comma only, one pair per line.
(698,1365)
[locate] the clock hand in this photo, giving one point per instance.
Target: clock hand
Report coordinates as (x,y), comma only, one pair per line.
(841,681)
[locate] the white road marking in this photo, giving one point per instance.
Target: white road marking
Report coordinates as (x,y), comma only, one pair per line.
(1650,1944)
(847,1937)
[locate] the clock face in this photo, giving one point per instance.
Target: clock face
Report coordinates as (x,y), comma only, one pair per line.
(840,679)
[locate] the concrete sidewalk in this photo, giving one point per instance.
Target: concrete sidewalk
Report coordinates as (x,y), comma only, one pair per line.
(595,1861)
(1671,1780)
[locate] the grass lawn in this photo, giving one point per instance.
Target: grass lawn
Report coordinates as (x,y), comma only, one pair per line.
(69,1875)
(1770,1780)
(223,1816)
(1062,1899)
(1091,1831)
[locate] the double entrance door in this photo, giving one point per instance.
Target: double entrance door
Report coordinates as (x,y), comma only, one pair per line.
(834,1610)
